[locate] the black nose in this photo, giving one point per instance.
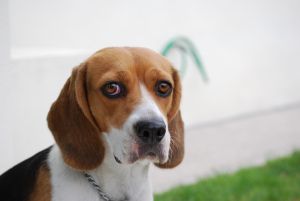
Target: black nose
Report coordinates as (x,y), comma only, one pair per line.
(150,131)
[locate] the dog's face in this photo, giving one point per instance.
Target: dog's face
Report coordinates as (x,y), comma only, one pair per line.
(130,96)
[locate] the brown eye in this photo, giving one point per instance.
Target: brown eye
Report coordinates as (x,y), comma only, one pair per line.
(113,89)
(163,88)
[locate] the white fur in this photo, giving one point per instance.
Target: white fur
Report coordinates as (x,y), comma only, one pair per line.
(68,184)
(116,180)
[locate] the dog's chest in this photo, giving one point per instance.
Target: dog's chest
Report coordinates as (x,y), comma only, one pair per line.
(70,185)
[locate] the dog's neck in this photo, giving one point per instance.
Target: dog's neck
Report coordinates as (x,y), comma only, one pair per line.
(120,181)
(117,181)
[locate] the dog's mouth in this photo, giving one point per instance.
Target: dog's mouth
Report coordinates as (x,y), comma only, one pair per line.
(153,154)
(133,158)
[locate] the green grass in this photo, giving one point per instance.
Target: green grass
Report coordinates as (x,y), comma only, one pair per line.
(278,180)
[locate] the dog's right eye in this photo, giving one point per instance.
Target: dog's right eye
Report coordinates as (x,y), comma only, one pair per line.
(113,89)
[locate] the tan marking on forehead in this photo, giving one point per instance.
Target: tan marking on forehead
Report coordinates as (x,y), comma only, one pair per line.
(119,58)
(147,60)
(137,61)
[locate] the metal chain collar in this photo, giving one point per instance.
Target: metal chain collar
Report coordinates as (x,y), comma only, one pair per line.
(102,195)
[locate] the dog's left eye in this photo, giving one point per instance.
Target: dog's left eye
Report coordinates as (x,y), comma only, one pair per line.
(113,89)
(163,88)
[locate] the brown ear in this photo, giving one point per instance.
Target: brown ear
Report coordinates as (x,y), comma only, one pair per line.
(176,127)
(72,124)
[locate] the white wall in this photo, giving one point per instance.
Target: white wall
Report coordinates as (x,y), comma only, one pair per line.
(4,34)
(6,139)
(250,50)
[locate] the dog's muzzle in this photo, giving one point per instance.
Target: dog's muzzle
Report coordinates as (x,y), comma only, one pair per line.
(149,135)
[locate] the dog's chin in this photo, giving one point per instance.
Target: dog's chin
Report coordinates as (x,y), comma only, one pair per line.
(150,157)
(156,156)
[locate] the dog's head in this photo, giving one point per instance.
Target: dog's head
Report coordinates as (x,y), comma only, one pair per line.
(128,96)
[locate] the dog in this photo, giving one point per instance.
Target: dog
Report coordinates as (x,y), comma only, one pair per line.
(117,113)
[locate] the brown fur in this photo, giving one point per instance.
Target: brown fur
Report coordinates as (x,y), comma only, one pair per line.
(73,126)
(176,153)
(42,188)
(82,112)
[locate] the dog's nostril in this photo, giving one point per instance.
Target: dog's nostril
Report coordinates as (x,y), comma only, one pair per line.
(146,134)
(150,132)
(161,132)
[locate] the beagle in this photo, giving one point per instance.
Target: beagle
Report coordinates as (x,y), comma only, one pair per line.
(116,114)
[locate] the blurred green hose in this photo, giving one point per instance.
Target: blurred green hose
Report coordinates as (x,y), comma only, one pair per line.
(186,48)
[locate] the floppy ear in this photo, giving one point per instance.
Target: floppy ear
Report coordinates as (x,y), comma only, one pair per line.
(73,125)
(176,127)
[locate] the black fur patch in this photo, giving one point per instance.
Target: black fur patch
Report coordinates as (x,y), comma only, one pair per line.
(17,183)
